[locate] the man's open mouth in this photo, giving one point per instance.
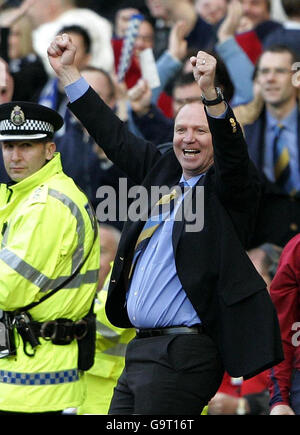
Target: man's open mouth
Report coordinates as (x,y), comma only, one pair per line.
(190,152)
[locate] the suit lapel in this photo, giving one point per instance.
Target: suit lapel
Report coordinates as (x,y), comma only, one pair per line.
(179,224)
(166,172)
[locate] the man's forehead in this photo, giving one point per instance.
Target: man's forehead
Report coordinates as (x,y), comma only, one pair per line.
(190,111)
(186,90)
(271,56)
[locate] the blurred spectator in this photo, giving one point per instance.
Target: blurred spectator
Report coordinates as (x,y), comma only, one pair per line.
(249,23)
(161,25)
(257,18)
(285,291)
(109,241)
(258,11)
(6,84)
(274,142)
(108,9)
(212,11)
(250,397)
(50,16)
(150,121)
(53,95)
(168,64)
(239,66)
(144,39)
(17,50)
(111,342)
(121,21)
(166,13)
(289,34)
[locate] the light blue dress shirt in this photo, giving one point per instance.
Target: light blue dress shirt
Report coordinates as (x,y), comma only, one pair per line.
(155,297)
(290,137)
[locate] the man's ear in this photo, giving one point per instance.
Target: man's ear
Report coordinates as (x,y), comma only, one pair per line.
(50,150)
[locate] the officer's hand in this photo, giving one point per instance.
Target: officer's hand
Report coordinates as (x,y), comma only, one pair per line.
(282,410)
(61,55)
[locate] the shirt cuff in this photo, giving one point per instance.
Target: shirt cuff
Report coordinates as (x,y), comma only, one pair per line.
(75,90)
(223,115)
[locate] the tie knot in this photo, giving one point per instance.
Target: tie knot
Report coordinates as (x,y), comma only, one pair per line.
(278,128)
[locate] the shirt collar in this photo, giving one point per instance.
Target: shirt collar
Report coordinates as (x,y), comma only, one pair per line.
(288,122)
(191,182)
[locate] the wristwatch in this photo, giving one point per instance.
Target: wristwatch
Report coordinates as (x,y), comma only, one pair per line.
(241,408)
(219,99)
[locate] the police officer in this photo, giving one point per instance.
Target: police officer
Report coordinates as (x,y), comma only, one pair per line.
(49,262)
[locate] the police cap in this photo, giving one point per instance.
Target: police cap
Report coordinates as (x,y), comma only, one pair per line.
(25,120)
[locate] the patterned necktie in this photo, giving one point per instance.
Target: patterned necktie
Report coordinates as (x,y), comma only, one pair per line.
(159,213)
(281,161)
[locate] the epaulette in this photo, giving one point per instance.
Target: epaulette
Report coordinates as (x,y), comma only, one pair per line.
(39,195)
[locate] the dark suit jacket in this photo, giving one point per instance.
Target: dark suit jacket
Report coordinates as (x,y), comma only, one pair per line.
(278,217)
(213,267)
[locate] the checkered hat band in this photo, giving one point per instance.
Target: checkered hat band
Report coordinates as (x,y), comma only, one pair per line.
(29,125)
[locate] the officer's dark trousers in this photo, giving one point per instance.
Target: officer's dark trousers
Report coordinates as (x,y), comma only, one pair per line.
(169,374)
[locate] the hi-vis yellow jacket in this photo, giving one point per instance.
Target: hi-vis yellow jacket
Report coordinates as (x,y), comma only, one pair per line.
(46,231)
(111,343)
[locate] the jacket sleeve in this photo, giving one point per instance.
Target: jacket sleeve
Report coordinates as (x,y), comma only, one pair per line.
(285,296)
(133,155)
(236,179)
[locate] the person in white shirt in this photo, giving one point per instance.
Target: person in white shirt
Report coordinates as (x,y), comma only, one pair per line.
(50,16)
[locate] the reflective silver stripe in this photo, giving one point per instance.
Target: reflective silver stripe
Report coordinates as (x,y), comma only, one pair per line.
(90,277)
(118,350)
(24,269)
(44,378)
(106,332)
(40,280)
(80,228)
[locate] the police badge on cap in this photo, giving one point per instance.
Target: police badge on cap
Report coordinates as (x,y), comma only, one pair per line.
(17,116)
(21,120)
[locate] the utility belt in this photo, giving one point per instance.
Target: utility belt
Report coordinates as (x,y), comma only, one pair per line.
(59,331)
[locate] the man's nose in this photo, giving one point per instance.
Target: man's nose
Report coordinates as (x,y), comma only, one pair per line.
(271,75)
(16,154)
(189,136)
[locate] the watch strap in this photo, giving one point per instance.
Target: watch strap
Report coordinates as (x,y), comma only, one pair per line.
(219,99)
